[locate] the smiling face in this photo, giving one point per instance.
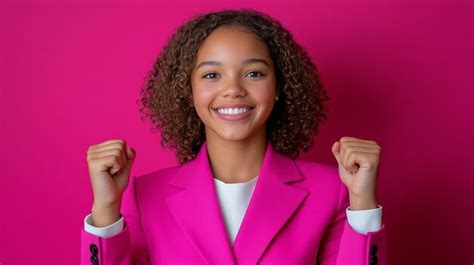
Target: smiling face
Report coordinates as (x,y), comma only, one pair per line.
(233,84)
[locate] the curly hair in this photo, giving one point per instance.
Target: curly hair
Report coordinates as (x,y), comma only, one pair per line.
(166,95)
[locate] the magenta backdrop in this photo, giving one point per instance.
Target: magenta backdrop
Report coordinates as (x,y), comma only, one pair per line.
(398,73)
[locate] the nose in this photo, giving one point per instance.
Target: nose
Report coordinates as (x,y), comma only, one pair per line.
(233,88)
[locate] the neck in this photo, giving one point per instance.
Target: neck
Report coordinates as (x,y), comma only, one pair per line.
(236,161)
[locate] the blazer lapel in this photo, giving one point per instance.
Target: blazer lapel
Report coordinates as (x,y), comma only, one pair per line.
(272,204)
(196,208)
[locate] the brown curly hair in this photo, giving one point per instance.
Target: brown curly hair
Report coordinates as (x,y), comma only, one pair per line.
(166,96)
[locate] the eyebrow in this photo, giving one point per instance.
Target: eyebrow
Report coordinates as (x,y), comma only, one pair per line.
(248,61)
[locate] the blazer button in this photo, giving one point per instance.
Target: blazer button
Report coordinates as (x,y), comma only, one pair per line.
(373,249)
(93,249)
(94,260)
(374,260)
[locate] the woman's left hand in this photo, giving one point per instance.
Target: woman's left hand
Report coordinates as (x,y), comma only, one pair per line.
(358,162)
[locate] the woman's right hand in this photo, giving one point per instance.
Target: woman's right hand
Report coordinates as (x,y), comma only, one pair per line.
(109,166)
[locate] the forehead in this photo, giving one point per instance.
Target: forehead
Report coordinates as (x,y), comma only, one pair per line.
(232,44)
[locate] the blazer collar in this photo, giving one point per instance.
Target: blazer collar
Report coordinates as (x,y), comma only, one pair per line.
(196,208)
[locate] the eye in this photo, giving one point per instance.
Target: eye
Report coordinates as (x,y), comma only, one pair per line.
(210,74)
(259,74)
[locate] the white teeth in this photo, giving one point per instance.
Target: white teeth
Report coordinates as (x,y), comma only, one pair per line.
(232,111)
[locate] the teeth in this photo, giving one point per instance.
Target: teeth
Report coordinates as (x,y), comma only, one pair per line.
(233,111)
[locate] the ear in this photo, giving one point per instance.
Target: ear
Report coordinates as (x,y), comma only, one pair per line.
(278,89)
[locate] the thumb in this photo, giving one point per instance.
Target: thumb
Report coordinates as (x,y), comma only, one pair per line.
(131,154)
(336,148)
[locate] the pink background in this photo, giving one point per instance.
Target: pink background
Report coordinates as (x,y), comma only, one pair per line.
(398,73)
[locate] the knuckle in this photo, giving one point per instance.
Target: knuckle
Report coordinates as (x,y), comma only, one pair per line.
(342,144)
(351,155)
(116,151)
(118,146)
(115,159)
(347,138)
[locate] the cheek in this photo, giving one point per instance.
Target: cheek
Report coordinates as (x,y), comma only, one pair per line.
(265,95)
(202,96)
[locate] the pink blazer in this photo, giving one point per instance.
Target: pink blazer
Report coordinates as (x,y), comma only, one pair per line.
(296,215)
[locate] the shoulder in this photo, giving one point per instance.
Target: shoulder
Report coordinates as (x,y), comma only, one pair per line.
(318,173)
(159,174)
(320,179)
(315,167)
(156,180)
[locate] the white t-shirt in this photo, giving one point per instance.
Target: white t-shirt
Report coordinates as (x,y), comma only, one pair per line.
(233,200)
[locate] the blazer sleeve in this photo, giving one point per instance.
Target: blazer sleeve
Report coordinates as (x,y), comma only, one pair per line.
(342,245)
(127,247)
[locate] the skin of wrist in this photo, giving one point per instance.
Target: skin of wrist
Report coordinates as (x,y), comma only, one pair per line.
(362,202)
(105,215)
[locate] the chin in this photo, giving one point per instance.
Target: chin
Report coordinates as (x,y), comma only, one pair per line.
(242,135)
(238,133)
(233,136)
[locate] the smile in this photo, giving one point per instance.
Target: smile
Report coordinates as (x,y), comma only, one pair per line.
(233,114)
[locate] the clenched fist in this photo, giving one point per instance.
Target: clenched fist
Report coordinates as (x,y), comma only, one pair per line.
(109,166)
(358,161)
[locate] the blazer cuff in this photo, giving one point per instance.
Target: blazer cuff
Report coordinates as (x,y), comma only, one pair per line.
(104,232)
(364,221)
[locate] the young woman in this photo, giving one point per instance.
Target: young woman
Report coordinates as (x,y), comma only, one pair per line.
(237,99)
